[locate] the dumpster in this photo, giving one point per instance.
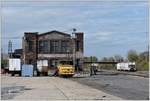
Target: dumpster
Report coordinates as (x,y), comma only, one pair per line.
(27,70)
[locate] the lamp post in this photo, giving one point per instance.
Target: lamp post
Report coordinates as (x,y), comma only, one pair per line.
(68,51)
(74,47)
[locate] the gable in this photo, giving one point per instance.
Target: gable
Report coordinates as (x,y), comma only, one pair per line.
(53,35)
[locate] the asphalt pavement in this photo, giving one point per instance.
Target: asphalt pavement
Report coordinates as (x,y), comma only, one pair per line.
(128,87)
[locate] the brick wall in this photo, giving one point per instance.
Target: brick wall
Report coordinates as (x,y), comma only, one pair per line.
(30,48)
(79,37)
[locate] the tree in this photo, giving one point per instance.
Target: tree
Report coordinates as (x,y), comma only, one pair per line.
(91,59)
(111,59)
(132,56)
(118,58)
(4,63)
(104,59)
(107,66)
(143,61)
(144,56)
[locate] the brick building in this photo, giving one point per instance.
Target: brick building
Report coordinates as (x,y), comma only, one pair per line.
(53,46)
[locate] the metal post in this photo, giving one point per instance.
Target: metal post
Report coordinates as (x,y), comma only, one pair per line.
(74,48)
(1,54)
(91,69)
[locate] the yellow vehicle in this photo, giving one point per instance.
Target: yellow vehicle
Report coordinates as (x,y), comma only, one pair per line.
(66,70)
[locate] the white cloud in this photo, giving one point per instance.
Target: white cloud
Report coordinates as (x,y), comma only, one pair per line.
(100,21)
(98,37)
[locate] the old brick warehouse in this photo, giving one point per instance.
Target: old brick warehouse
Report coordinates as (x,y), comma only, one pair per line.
(53,46)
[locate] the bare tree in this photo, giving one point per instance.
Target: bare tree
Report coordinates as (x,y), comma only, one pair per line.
(118,58)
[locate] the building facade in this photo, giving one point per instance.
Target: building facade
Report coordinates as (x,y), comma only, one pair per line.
(53,46)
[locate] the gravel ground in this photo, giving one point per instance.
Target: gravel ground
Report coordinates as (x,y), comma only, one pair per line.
(125,86)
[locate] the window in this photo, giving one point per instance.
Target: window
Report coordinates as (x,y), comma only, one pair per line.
(30,45)
(43,46)
(77,45)
(40,46)
(54,46)
(64,47)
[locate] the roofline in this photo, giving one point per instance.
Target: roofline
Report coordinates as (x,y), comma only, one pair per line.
(41,34)
(79,33)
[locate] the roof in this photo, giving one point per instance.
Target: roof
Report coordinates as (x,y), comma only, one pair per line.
(54,31)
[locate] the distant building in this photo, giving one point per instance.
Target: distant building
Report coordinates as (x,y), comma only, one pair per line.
(53,46)
(17,53)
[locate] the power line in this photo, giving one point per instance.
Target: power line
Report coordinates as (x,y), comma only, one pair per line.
(74,1)
(11,37)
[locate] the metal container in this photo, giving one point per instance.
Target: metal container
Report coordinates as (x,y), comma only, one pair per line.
(42,65)
(27,70)
(14,64)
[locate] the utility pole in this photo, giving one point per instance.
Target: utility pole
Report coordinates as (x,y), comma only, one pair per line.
(147,57)
(1,53)
(74,47)
(10,48)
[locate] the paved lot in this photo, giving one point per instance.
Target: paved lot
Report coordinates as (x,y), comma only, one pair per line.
(122,85)
(137,73)
(48,88)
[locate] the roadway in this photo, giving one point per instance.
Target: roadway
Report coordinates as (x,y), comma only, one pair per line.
(126,85)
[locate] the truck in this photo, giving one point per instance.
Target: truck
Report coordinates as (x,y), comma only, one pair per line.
(66,69)
(15,66)
(129,66)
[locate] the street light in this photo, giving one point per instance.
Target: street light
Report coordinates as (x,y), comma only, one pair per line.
(74,47)
(68,51)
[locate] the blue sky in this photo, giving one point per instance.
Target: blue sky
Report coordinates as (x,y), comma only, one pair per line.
(110,27)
